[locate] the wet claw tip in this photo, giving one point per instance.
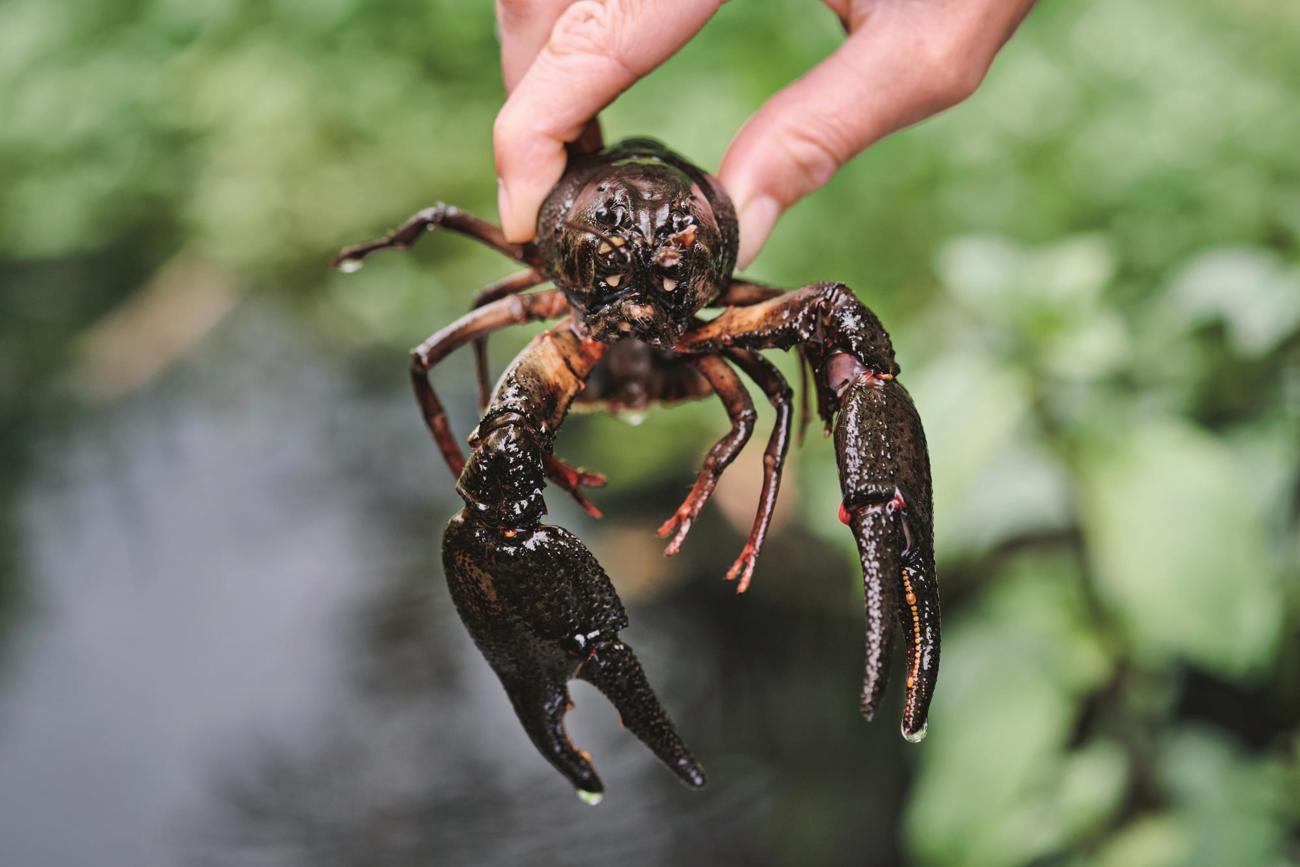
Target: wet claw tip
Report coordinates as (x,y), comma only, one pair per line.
(690,773)
(915,736)
(592,798)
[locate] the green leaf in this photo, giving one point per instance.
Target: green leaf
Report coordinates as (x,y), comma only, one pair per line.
(991,479)
(1152,841)
(1250,289)
(1177,528)
(1232,809)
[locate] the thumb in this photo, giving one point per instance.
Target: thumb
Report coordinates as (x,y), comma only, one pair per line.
(595,51)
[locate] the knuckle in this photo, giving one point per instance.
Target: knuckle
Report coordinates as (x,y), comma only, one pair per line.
(957,84)
(953,70)
(814,153)
(501,151)
(502,127)
(510,134)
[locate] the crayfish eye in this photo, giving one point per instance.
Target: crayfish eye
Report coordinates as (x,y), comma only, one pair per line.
(612,213)
(574,645)
(582,644)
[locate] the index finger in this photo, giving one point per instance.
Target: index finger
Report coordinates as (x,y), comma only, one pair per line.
(597,49)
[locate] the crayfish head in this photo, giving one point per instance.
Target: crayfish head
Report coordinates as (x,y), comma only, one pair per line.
(640,252)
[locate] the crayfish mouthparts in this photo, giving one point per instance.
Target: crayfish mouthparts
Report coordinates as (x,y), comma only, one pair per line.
(637,242)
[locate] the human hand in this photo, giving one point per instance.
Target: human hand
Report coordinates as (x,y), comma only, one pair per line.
(565,60)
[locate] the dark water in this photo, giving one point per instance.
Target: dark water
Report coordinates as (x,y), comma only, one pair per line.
(235,647)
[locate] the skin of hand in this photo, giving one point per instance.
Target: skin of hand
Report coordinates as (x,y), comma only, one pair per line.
(563,61)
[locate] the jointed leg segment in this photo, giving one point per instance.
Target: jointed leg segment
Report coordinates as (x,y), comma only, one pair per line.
(740,409)
(778,393)
(451,218)
(513,310)
(439,216)
(485,320)
(504,288)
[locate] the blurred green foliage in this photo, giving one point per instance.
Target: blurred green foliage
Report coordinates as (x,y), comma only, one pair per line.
(1092,271)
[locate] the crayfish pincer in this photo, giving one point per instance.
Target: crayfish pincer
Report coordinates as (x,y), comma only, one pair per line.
(636,241)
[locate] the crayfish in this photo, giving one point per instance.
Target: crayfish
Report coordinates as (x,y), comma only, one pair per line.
(636,242)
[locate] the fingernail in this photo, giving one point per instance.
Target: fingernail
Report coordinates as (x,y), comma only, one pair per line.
(757,217)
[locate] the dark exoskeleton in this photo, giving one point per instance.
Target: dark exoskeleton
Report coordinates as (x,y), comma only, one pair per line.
(637,241)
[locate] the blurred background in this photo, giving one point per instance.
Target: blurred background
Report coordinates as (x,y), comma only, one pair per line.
(224,634)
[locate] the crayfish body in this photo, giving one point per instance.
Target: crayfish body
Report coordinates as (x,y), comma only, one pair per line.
(636,242)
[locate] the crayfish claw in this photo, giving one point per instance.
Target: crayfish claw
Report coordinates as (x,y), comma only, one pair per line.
(885,479)
(614,670)
(876,535)
(543,612)
(541,706)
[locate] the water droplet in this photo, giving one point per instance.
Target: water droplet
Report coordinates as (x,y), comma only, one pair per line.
(592,798)
(917,736)
(350,265)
